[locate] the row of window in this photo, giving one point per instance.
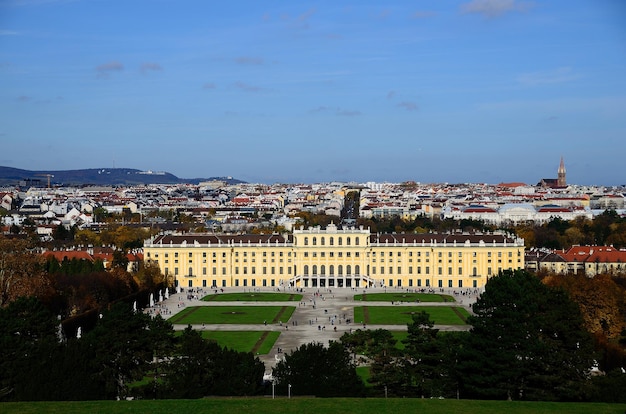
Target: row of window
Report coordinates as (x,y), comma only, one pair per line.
(322,254)
(331,270)
(272,282)
(222,283)
(331,241)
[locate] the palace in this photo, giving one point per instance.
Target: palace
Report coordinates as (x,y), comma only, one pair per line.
(334,257)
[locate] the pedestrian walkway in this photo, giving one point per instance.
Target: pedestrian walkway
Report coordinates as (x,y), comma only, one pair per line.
(322,315)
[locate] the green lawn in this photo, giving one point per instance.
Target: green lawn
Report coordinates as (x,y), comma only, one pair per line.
(401,315)
(399,336)
(195,315)
(257,342)
(252,297)
(403,297)
(281,405)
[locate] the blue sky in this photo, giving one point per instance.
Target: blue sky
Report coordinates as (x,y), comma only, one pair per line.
(314,91)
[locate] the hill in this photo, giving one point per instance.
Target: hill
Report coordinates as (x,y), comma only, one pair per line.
(95,176)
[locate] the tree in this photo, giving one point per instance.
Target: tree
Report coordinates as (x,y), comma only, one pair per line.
(21,271)
(423,356)
(527,342)
(316,370)
(202,368)
(122,347)
(28,332)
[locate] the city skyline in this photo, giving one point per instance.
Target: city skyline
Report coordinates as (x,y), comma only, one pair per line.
(458,91)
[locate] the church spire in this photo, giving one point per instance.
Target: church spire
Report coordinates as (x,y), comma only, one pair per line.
(561,182)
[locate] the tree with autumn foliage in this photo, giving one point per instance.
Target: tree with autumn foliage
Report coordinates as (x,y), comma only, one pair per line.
(22,271)
(602,301)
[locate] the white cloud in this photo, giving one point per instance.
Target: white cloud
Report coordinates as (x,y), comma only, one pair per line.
(409,106)
(105,69)
(249,60)
(559,75)
(150,67)
(495,8)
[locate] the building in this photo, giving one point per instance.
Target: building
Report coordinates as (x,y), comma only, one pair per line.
(586,260)
(332,257)
(559,182)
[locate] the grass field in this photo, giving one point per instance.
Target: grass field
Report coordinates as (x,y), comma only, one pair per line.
(257,342)
(267,405)
(403,297)
(401,315)
(252,297)
(195,315)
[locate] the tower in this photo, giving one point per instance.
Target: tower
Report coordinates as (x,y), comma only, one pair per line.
(560,181)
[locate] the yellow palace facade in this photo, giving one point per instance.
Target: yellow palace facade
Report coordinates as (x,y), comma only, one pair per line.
(332,257)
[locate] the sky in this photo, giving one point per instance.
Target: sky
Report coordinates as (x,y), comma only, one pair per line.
(468,91)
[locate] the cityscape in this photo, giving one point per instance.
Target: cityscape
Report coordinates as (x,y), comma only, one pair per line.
(385,206)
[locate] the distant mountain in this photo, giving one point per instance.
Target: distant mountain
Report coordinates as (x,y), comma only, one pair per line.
(95,176)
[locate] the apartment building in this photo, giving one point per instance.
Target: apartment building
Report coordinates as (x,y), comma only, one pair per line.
(333,257)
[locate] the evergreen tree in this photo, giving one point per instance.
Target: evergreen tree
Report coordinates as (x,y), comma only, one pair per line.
(316,370)
(527,342)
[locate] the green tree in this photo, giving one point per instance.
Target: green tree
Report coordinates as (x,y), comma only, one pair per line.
(314,369)
(527,342)
(122,348)
(423,356)
(203,368)
(28,332)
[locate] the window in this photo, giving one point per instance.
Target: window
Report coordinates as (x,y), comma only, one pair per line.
(348,241)
(306,241)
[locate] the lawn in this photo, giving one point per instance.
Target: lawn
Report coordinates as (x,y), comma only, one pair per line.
(195,315)
(252,297)
(281,405)
(401,315)
(403,297)
(257,342)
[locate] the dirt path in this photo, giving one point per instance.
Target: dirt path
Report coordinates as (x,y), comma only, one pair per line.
(366,314)
(258,344)
(459,314)
(278,316)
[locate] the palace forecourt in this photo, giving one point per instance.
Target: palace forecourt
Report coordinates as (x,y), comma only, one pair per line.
(334,258)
